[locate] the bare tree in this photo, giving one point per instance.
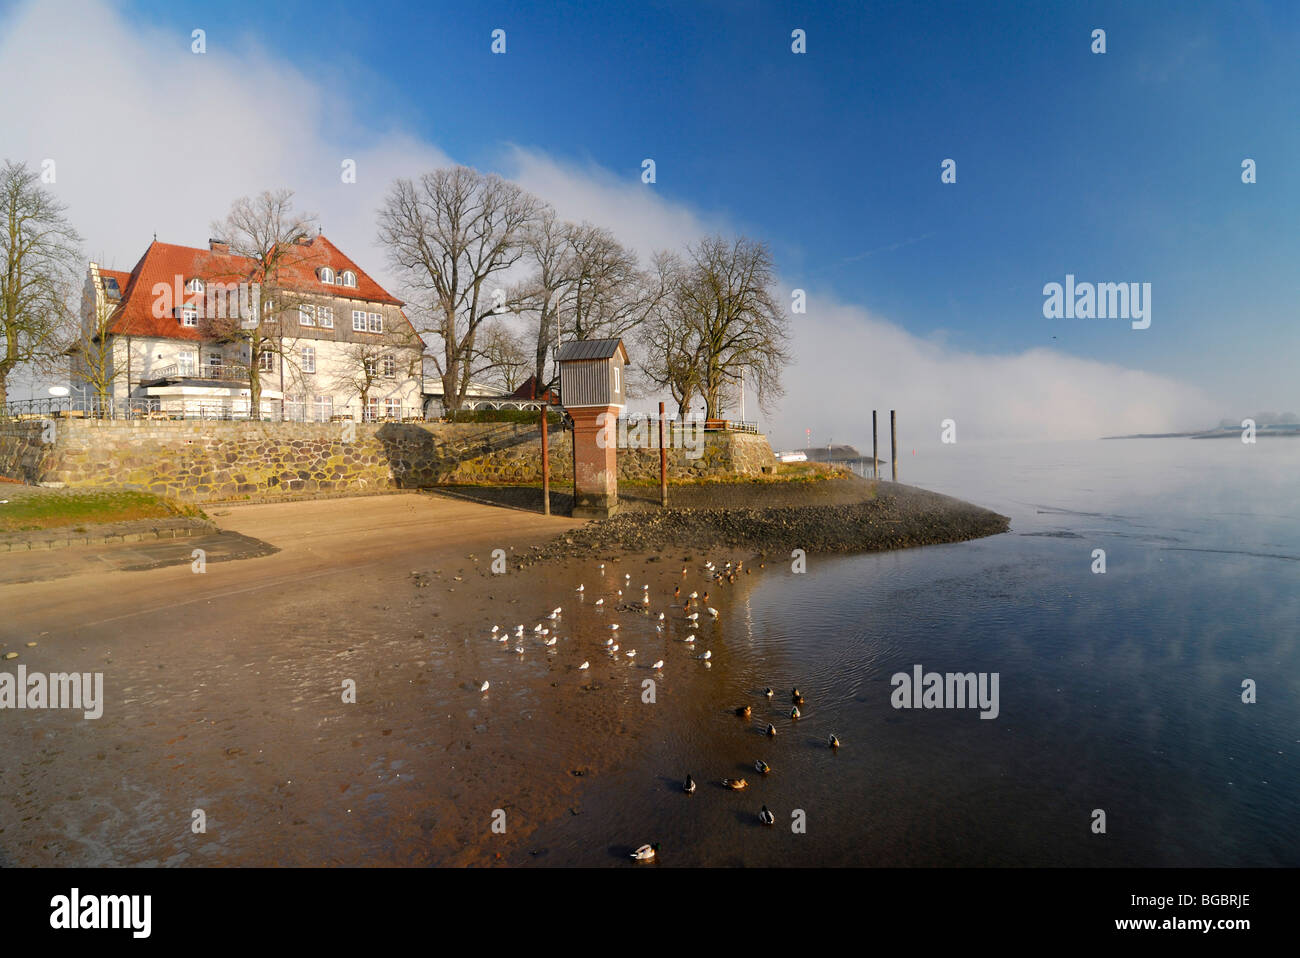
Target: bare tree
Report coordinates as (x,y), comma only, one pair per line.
(272,239)
(670,344)
(725,295)
(370,366)
(449,235)
(505,357)
(541,295)
(40,262)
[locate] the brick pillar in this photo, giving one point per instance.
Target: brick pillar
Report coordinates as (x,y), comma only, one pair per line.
(595,469)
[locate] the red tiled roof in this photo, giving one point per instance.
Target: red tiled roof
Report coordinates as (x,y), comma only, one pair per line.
(164,262)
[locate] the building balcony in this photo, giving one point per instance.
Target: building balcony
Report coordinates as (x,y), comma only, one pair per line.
(225,373)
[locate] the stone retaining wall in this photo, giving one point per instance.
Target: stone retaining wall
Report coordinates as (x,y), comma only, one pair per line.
(198,461)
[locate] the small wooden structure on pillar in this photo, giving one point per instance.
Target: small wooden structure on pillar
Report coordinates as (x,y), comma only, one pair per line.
(593,392)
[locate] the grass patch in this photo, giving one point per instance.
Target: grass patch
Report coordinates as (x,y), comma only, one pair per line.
(55,511)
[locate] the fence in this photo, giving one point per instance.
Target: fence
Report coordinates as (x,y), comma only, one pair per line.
(159,408)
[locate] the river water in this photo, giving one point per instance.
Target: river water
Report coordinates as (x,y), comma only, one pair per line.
(1120,694)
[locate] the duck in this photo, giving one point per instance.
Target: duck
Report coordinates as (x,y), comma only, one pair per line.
(744,711)
(833,741)
(706,597)
(766,817)
(584,666)
(771,730)
(735,784)
(689,787)
(646,852)
(794,712)
(796,697)
(677,592)
(762,767)
(768,692)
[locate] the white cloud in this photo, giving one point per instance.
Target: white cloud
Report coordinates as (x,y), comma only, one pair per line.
(148,136)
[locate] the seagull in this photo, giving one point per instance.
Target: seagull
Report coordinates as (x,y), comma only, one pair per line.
(613,627)
(766,817)
(483,687)
(707,655)
(613,648)
(600,602)
(609,642)
(553,616)
(496,629)
(661,616)
(762,767)
(581,588)
(630,653)
(658,665)
(620,593)
(713,612)
(833,742)
(602,567)
(689,787)
(551,641)
(689,639)
(627,575)
(537,627)
(695,595)
(502,637)
(646,852)
(584,666)
(519,649)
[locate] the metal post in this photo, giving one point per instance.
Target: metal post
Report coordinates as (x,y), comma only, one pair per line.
(546,468)
(663,462)
(893,442)
(875,455)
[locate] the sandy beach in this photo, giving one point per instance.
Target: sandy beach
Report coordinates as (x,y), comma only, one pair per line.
(224,691)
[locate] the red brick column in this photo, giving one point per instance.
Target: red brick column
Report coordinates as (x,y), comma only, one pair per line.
(595,468)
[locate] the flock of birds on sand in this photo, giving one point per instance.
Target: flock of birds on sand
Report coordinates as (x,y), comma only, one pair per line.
(692,605)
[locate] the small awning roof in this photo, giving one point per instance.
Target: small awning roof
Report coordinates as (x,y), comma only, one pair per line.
(590,349)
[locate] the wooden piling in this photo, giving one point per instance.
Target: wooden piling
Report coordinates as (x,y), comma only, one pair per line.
(663,462)
(875,453)
(893,442)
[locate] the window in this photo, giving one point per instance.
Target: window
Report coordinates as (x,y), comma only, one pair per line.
(372,367)
(390,367)
(294,408)
(324,408)
(266,362)
(189,315)
(348,278)
(618,375)
(358,321)
(306,316)
(308,359)
(372,410)
(214,359)
(185,363)
(326,274)
(392,408)
(376,323)
(325,316)
(194,286)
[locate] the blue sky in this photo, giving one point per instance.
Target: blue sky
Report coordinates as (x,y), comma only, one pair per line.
(1122,166)
(1117,167)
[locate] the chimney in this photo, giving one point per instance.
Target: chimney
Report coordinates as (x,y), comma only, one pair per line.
(218,246)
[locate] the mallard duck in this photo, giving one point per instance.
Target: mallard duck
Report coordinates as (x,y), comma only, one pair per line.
(794,712)
(766,817)
(735,784)
(834,742)
(689,787)
(745,711)
(771,730)
(762,767)
(768,692)
(646,852)
(796,697)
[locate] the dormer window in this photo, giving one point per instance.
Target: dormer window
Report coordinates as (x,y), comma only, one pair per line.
(326,274)
(195,285)
(348,278)
(189,314)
